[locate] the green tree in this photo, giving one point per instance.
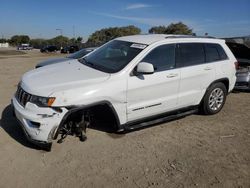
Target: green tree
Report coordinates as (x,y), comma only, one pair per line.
(79,39)
(72,41)
(3,40)
(38,43)
(157,30)
(19,39)
(59,41)
(104,35)
(174,28)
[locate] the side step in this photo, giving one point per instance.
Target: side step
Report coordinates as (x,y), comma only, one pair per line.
(133,126)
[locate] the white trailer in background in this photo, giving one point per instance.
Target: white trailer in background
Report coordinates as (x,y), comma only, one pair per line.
(4,45)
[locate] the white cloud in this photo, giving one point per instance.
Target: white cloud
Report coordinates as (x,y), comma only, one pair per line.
(146,21)
(153,21)
(137,6)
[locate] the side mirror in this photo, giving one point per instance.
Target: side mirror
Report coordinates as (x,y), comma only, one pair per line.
(145,68)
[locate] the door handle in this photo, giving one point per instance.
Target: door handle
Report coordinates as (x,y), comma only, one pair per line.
(207,68)
(172,75)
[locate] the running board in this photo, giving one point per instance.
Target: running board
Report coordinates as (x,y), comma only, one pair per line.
(134,126)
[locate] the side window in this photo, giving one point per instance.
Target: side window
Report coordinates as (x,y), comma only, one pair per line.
(221,51)
(162,57)
(212,54)
(190,54)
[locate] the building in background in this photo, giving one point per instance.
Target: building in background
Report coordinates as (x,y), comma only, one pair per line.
(4,45)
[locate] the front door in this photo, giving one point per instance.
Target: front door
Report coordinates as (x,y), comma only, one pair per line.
(148,95)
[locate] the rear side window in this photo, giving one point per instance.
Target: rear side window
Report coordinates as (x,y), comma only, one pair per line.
(162,57)
(189,54)
(212,53)
(222,53)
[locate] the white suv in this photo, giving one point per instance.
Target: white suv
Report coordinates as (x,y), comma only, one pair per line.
(134,80)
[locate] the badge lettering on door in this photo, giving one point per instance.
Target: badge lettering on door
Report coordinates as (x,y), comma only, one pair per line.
(141,108)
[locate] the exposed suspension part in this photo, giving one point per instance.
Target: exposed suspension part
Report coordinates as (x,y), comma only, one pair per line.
(76,125)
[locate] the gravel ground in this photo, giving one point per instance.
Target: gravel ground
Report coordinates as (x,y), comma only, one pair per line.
(195,151)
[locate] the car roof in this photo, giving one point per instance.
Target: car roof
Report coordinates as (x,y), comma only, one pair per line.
(152,38)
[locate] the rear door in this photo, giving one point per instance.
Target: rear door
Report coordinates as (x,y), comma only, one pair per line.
(196,73)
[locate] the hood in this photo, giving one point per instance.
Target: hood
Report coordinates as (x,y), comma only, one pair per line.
(60,77)
(52,61)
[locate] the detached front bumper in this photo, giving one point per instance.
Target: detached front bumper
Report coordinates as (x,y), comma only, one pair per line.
(39,123)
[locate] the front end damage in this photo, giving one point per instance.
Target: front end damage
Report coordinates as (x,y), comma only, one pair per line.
(39,123)
(43,125)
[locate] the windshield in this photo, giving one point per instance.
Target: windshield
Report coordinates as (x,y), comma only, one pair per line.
(79,54)
(113,56)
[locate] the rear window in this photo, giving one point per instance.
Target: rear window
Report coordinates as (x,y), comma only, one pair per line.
(189,54)
(222,53)
(212,52)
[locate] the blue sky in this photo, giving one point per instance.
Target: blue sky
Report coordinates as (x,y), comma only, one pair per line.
(41,18)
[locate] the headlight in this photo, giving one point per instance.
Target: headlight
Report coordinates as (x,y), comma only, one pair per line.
(42,101)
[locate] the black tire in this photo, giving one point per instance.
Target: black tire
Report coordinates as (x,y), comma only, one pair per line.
(214,99)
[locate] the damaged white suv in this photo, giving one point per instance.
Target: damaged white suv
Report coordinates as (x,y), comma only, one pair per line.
(135,81)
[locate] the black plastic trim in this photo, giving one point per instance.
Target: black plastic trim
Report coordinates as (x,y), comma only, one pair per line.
(159,118)
(220,80)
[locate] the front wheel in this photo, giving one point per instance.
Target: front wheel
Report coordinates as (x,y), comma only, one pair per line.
(214,99)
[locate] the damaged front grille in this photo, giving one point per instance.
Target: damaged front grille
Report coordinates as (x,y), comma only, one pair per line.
(22,96)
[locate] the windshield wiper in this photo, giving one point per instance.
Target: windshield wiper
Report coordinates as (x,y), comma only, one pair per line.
(88,63)
(85,61)
(93,65)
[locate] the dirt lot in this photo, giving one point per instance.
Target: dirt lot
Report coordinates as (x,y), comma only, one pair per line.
(195,151)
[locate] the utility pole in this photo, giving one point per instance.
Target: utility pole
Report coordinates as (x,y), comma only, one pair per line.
(74,34)
(61,32)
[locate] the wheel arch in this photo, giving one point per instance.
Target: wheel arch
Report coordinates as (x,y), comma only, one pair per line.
(225,81)
(75,109)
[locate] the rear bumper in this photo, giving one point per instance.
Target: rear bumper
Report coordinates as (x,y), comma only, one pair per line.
(242,86)
(242,81)
(39,124)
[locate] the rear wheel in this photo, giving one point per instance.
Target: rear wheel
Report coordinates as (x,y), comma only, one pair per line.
(214,99)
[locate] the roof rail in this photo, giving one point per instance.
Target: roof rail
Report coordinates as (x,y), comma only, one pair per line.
(187,36)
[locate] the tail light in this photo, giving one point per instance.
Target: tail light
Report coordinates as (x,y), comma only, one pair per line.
(236,64)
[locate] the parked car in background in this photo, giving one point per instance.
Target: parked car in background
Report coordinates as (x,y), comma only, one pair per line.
(77,55)
(242,54)
(49,49)
(70,49)
(24,47)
